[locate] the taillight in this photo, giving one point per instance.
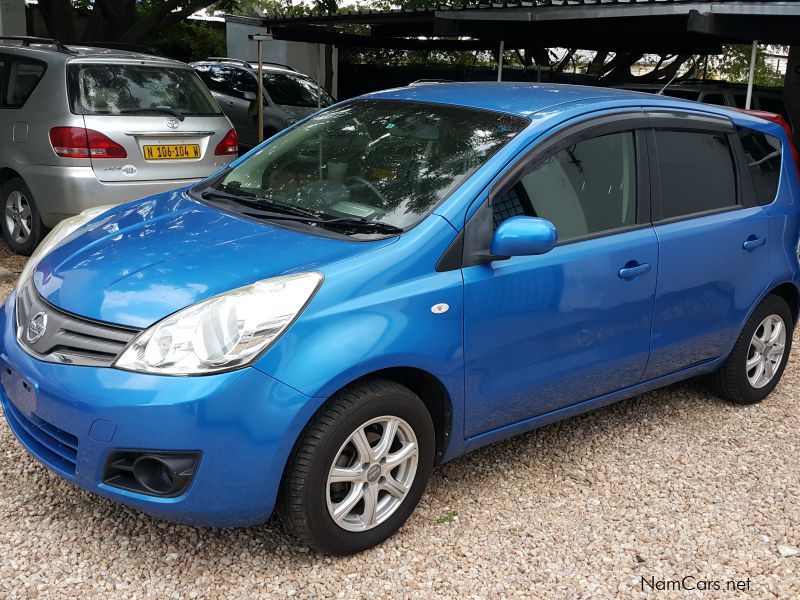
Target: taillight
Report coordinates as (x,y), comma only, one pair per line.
(229,144)
(78,142)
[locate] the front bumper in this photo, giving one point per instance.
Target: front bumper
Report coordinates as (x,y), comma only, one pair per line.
(244,424)
(62,192)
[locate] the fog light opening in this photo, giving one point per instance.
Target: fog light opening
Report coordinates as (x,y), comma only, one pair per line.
(154,474)
(165,474)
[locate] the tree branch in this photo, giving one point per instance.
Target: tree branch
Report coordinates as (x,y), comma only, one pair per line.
(166,14)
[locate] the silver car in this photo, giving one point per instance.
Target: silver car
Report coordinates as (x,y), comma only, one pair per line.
(84,126)
(288,95)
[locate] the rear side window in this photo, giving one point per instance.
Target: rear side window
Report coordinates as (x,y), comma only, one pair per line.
(697,173)
(108,89)
(243,81)
(685,94)
(217,79)
(585,189)
(763,154)
(23,77)
(717,99)
(773,104)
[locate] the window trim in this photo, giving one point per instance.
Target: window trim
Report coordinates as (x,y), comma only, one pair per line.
(675,121)
(471,246)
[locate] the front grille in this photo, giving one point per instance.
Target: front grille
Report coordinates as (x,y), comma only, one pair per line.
(50,444)
(67,338)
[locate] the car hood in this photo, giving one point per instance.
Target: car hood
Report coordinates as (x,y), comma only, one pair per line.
(147,259)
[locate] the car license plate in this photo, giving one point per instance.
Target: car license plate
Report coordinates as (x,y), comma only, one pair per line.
(172,152)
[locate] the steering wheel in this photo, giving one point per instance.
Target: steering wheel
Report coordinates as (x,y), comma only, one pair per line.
(367,184)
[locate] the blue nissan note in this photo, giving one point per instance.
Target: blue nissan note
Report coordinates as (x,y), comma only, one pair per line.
(391,283)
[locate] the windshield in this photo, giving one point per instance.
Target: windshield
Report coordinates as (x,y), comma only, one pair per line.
(106,89)
(378,161)
(292,90)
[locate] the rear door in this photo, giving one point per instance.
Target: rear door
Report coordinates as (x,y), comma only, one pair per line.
(163,117)
(713,242)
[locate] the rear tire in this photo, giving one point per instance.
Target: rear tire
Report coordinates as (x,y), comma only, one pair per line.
(20,222)
(758,359)
(344,492)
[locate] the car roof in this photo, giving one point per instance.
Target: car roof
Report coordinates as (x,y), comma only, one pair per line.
(273,67)
(517,98)
(69,53)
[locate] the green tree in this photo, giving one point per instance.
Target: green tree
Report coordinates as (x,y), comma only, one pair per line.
(734,64)
(129,21)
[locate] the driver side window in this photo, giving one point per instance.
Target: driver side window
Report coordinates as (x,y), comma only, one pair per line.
(585,189)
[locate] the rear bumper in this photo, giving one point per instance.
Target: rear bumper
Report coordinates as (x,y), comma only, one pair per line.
(60,192)
(243,424)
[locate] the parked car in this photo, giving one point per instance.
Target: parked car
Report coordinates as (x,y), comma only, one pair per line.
(288,95)
(398,280)
(721,93)
(89,126)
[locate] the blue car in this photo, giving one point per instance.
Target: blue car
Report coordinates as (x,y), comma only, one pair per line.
(393,282)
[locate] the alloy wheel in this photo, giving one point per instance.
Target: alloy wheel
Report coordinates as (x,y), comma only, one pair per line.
(766,350)
(372,473)
(19,219)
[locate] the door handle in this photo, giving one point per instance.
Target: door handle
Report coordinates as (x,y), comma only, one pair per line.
(633,269)
(229,103)
(753,242)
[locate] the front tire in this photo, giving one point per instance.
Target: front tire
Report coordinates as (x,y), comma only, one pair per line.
(759,357)
(360,468)
(21,225)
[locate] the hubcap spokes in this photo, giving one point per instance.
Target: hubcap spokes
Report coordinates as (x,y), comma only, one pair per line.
(766,350)
(372,473)
(18,217)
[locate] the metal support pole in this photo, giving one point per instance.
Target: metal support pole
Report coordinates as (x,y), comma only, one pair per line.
(260,99)
(751,75)
(500,61)
(319,85)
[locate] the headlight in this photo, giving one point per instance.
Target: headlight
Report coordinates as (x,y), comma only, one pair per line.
(223,332)
(57,235)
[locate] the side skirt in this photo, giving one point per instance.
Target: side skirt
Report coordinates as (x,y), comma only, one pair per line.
(507,431)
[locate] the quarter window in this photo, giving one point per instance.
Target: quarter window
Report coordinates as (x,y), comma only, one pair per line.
(697,173)
(763,155)
(23,77)
(585,189)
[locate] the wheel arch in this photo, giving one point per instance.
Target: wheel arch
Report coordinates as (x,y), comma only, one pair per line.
(789,292)
(424,384)
(7,174)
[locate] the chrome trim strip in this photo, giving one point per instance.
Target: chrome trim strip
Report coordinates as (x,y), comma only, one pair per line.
(168,133)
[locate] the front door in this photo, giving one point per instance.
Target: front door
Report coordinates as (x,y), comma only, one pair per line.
(544,332)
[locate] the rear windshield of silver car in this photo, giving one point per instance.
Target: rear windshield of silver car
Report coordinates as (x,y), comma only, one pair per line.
(107,89)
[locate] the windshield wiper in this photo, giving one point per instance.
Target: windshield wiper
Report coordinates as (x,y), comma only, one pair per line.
(156,111)
(234,194)
(344,222)
(287,212)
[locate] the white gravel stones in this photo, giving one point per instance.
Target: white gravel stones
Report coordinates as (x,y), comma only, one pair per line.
(670,484)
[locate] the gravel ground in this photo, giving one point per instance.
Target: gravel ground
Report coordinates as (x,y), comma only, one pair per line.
(670,484)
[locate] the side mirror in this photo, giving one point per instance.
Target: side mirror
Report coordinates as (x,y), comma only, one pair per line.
(524,236)
(249,96)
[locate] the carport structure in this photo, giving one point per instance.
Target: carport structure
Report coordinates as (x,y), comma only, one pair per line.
(646,26)
(673,26)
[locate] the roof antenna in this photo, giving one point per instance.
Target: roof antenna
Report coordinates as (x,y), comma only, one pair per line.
(674,77)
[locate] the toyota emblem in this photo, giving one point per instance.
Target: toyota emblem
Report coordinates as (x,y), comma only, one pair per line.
(36,327)
(172,123)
